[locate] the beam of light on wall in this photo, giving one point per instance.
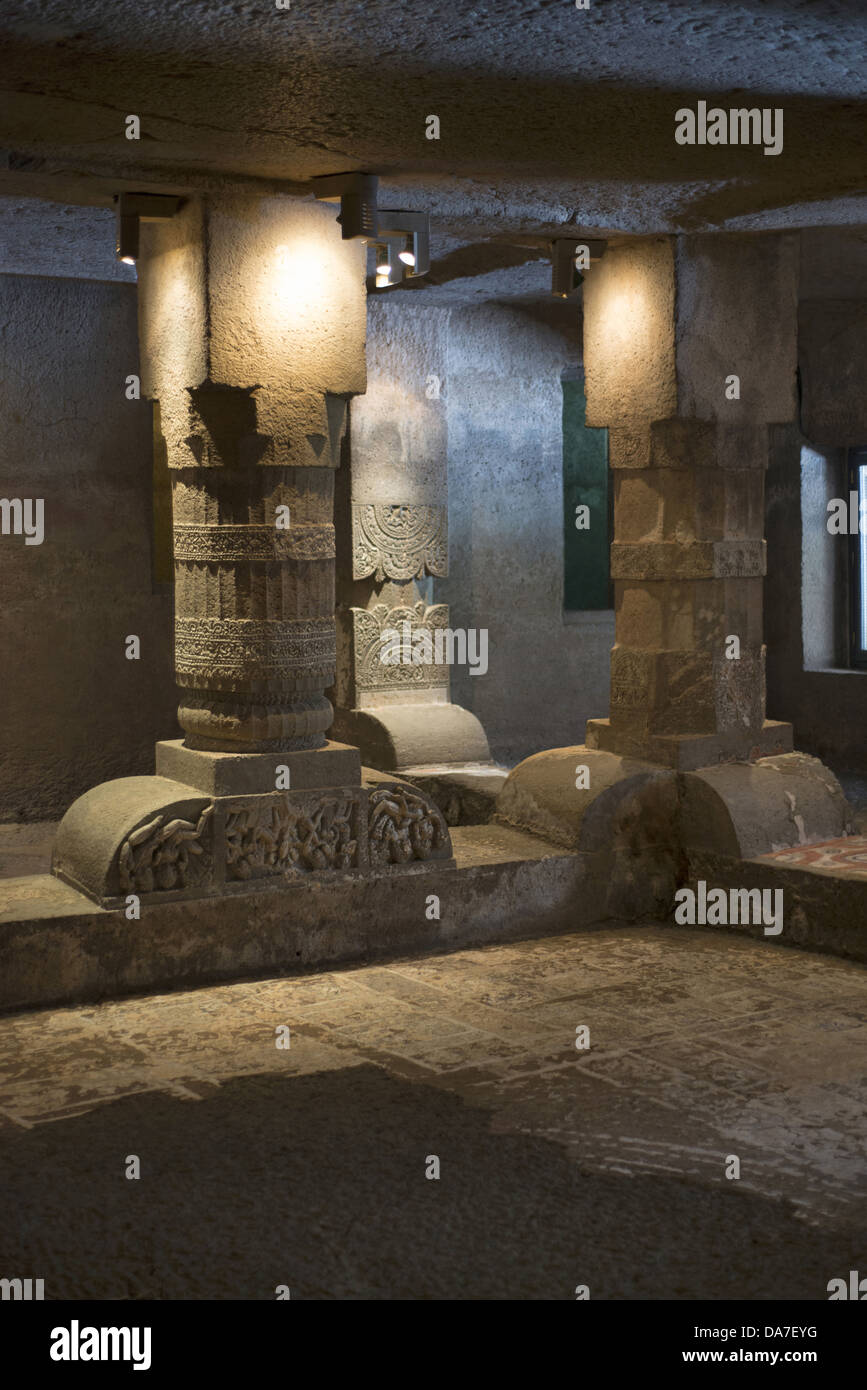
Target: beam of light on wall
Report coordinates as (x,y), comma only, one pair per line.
(628,324)
(300,277)
(625,311)
(286,285)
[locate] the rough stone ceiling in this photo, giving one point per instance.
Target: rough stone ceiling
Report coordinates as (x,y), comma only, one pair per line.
(551,117)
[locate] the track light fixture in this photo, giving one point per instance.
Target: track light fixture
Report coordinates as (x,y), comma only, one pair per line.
(401,239)
(569,257)
(134,208)
(356,194)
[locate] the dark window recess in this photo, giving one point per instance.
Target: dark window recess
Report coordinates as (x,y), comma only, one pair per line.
(857,479)
(586,553)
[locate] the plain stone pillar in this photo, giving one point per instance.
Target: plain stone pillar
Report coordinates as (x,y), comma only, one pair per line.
(690,355)
(252,319)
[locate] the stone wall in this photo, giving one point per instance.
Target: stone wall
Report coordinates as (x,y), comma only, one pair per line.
(546,675)
(76,711)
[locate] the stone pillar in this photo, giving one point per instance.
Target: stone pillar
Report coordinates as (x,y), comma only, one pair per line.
(252,326)
(690,356)
(394,543)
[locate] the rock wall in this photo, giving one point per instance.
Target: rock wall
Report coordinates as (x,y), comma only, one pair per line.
(547,674)
(75,710)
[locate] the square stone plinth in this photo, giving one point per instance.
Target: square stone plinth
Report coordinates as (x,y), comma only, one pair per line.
(688,752)
(236,774)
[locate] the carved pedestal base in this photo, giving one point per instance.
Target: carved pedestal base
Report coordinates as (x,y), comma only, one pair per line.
(408,736)
(159,839)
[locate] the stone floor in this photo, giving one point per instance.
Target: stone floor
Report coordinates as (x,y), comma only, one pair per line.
(305,1166)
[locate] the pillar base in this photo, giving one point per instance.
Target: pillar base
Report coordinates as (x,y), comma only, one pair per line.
(619,813)
(741,811)
(649,827)
(688,752)
(415,735)
(159,839)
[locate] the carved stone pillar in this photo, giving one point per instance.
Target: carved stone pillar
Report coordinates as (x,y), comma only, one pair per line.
(252,393)
(690,354)
(254,603)
(395,547)
(680,377)
(393,523)
(252,326)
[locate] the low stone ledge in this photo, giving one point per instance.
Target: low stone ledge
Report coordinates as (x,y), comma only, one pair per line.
(57,947)
(822,913)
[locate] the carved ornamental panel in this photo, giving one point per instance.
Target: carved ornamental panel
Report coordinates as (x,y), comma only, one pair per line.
(415,628)
(393,541)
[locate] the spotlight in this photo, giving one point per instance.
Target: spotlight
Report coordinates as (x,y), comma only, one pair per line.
(568,258)
(388,265)
(356,194)
(133,208)
(411,230)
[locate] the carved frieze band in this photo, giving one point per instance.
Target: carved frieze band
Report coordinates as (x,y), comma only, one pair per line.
(274,836)
(167,854)
(370,626)
(283,834)
(253,648)
(223,543)
(392,541)
(403,825)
